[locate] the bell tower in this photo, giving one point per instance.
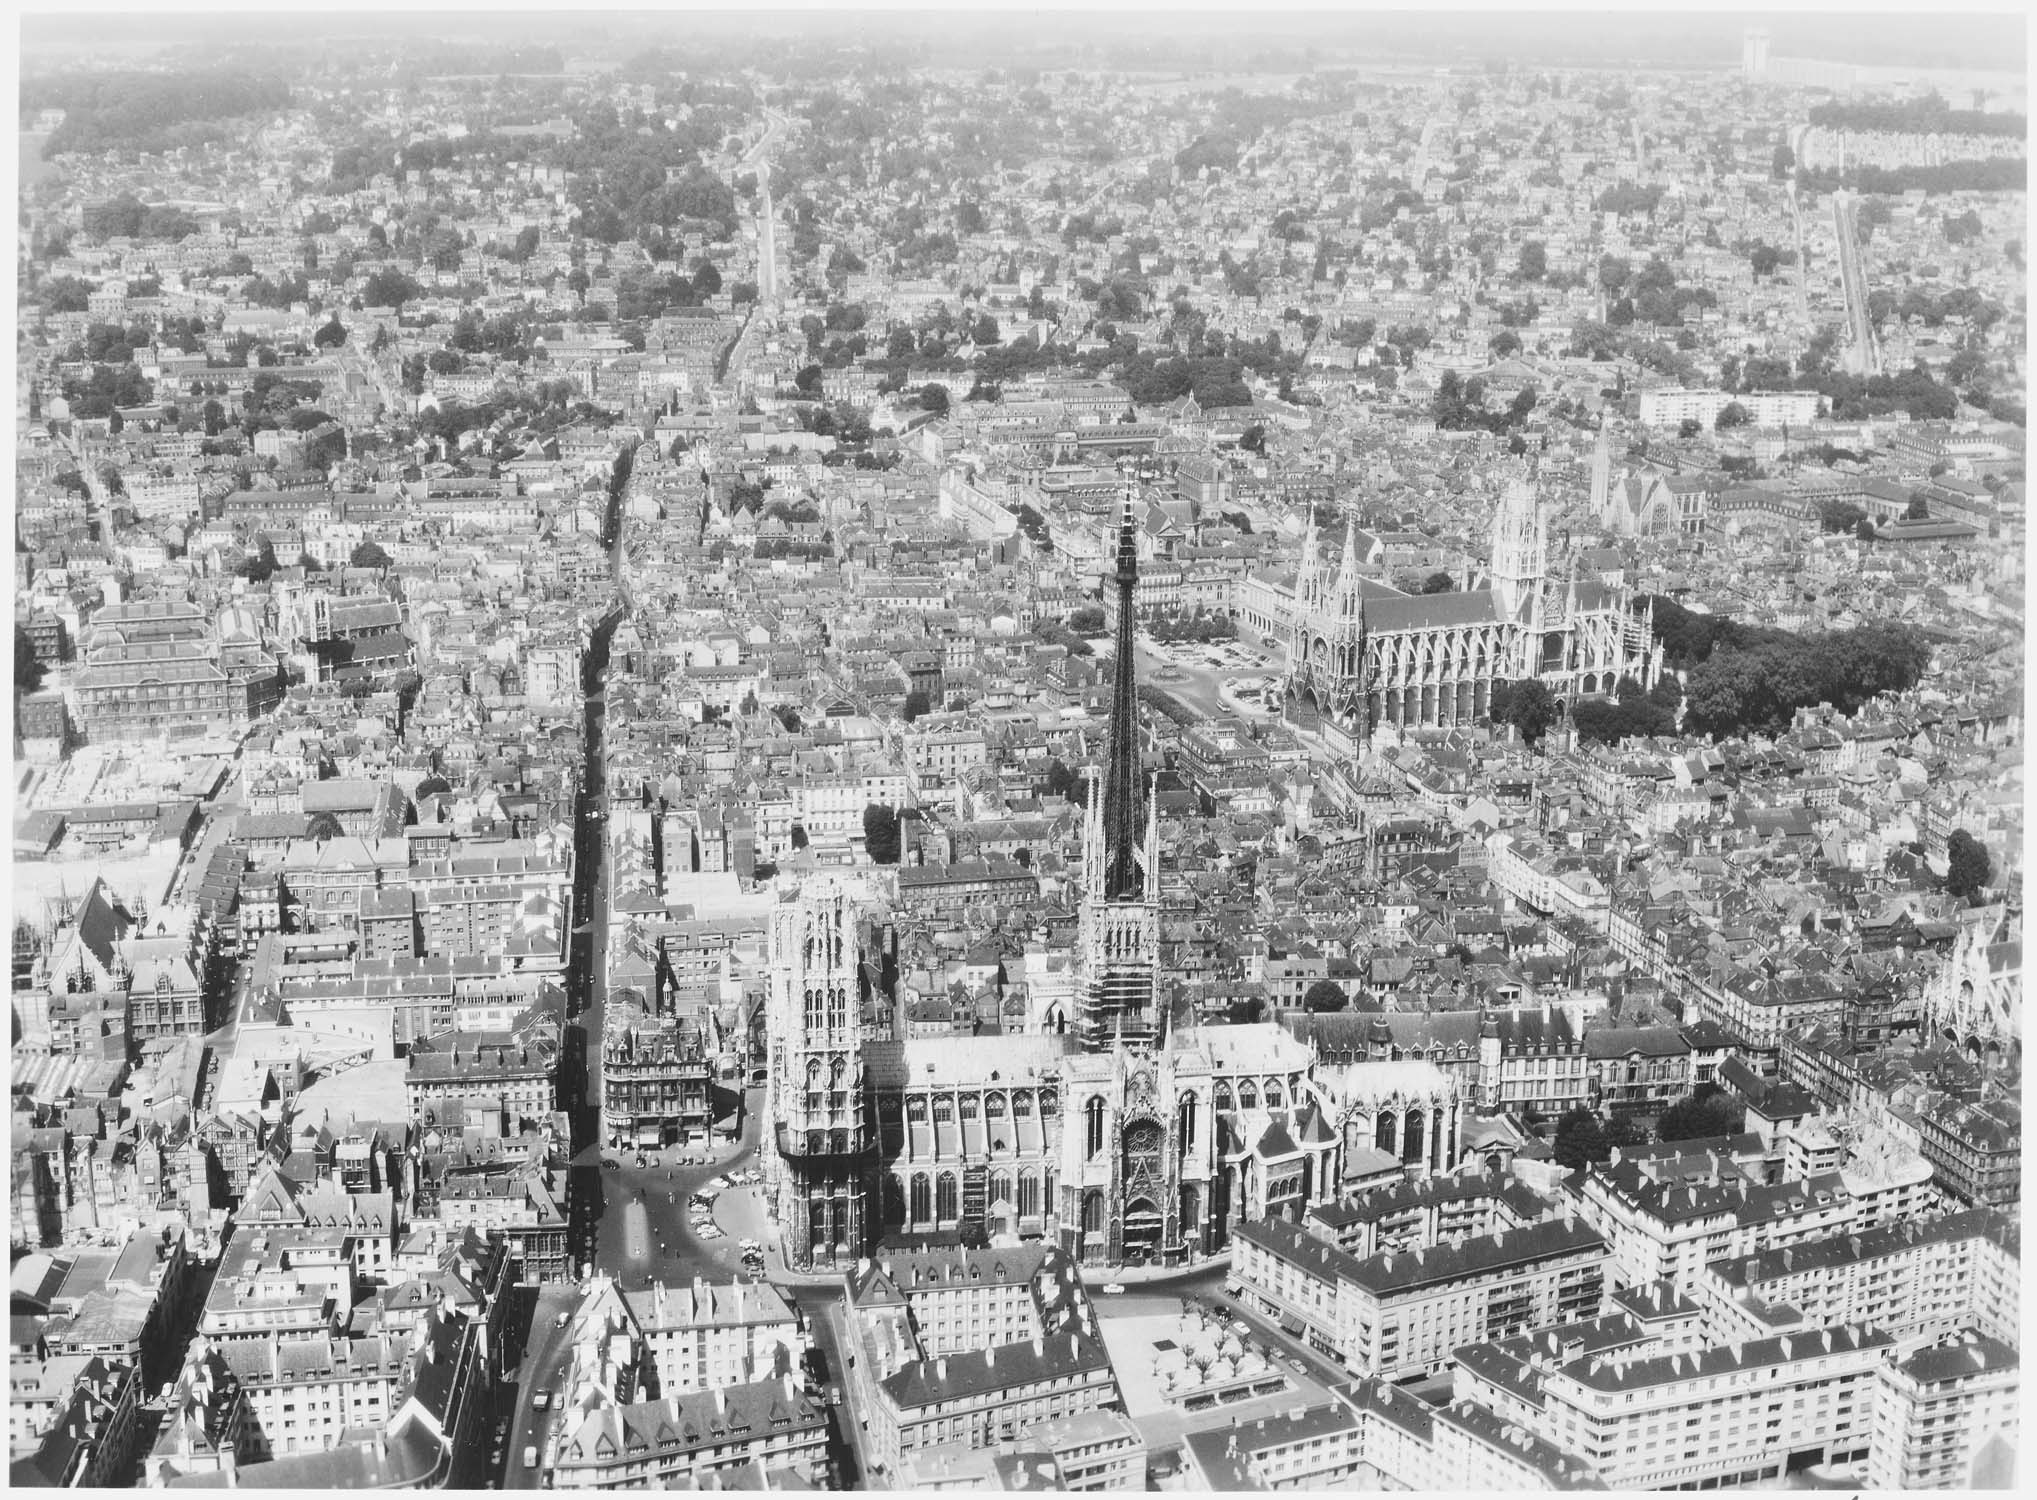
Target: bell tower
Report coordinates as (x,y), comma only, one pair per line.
(819,1151)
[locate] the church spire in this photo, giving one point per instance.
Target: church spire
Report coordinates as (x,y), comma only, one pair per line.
(1123,829)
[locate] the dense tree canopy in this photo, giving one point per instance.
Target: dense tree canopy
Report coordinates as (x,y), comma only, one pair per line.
(1968,865)
(1526,705)
(1325,994)
(880,833)
(1581,1139)
(1705,1113)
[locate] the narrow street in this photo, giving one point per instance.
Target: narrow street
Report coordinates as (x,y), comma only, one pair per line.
(580,1078)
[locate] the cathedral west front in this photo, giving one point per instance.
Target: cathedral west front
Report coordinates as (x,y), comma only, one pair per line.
(1123,1138)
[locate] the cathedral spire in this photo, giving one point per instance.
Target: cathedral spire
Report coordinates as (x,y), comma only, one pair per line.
(1305,575)
(1123,830)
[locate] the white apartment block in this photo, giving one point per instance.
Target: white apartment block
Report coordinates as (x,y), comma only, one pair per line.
(1673,406)
(1728,1415)
(706,1335)
(1947,1418)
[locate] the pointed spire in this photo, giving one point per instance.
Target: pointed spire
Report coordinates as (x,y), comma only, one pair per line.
(1121,792)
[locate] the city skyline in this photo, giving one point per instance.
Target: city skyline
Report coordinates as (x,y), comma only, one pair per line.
(986,750)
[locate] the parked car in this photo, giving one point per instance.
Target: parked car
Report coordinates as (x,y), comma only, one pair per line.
(530,1455)
(1115,1289)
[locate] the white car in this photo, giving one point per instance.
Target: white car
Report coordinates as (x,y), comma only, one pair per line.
(1115,1289)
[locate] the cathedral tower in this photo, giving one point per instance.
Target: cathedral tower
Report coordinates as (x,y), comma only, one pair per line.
(819,1152)
(1120,915)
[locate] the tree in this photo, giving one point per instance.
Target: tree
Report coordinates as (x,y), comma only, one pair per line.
(1839,515)
(1783,162)
(1438,583)
(799,839)
(916,704)
(1581,1139)
(1534,261)
(1504,343)
(880,833)
(1690,427)
(933,397)
(1967,865)
(1705,1113)
(331,336)
(28,669)
(389,287)
(1325,994)
(324,826)
(1919,509)
(1254,440)
(1526,705)
(1733,414)
(368,554)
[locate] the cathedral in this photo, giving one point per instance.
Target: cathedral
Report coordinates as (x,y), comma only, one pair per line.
(1367,656)
(1126,1138)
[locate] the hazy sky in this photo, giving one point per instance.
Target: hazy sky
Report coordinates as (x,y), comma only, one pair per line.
(1640,35)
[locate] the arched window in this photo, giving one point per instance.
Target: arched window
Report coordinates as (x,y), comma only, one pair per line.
(944,1109)
(968,1106)
(1050,1104)
(947,1201)
(1274,1098)
(1223,1097)
(1028,1195)
(1184,1130)
(1022,1106)
(815,1010)
(894,1201)
(1000,1189)
(1092,1127)
(993,1107)
(920,1205)
(916,1109)
(1248,1095)
(1092,1212)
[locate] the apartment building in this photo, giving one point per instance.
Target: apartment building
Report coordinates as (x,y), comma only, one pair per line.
(1731,1414)
(708,1334)
(971,1346)
(1671,1229)
(1933,1277)
(1303,1448)
(1408,1444)
(1947,1418)
(299,1393)
(686,1441)
(1409,1213)
(1670,407)
(655,1080)
(1408,1313)
(498,1071)
(80,1422)
(1403,1313)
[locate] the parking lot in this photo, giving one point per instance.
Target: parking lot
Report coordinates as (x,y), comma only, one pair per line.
(1214,678)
